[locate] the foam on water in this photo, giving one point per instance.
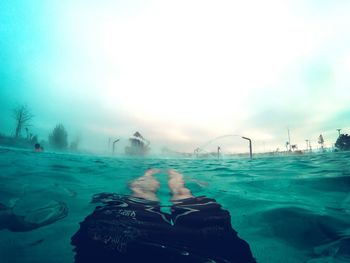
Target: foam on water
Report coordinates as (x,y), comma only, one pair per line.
(290,208)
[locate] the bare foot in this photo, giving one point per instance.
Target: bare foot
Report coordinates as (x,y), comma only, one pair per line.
(146,186)
(151,172)
(177,186)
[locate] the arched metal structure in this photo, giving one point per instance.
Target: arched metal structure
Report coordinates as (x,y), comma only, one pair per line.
(200,148)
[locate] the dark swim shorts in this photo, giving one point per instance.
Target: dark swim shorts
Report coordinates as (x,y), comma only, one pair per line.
(129,229)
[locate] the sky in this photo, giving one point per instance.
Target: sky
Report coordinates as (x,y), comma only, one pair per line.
(180,72)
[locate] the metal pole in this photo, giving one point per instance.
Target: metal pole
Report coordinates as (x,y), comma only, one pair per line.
(289,141)
(250,146)
(114,144)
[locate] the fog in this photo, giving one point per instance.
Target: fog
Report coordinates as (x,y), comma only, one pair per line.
(181,73)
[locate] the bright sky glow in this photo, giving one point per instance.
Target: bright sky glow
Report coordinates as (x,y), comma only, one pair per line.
(180,72)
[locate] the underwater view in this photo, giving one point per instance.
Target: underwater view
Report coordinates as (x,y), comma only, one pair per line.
(291,208)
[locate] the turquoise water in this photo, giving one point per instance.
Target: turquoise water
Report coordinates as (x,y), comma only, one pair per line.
(288,208)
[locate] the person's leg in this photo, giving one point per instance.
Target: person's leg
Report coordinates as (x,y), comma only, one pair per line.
(177,186)
(146,186)
(206,225)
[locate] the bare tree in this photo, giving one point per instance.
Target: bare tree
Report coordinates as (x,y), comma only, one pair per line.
(22,117)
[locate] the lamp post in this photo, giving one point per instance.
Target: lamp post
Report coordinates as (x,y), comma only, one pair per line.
(117,140)
(290,146)
(250,146)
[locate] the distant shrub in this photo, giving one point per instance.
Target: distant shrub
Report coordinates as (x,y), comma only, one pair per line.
(343,142)
(58,139)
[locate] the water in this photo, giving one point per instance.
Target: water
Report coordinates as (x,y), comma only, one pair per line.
(288,208)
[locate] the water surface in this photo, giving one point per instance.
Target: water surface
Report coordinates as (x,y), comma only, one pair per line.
(288,208)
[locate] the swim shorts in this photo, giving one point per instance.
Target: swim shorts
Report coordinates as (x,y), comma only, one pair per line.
(129,229)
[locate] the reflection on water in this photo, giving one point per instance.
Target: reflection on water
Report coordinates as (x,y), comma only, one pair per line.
(27,215)
(290,208)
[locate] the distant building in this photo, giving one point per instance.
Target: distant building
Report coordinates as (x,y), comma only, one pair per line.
(138,145)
